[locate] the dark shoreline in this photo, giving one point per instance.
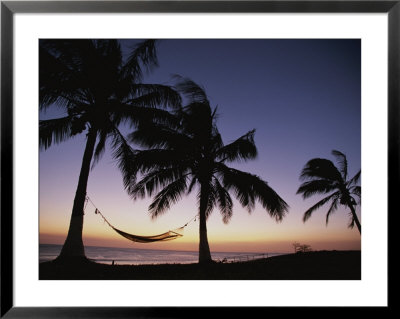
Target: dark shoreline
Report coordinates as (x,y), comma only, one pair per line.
(318,265)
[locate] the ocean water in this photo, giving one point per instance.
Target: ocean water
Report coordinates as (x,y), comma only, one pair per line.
(133,256)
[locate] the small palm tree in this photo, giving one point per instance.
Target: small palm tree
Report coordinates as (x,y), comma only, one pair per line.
(321,176)
(190,153)
(98,91)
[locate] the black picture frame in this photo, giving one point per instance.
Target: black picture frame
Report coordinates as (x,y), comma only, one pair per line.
(9,8)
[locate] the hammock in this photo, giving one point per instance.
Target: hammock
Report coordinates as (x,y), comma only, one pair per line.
(169,235)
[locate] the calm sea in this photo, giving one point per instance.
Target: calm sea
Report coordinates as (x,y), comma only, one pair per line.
(132,256)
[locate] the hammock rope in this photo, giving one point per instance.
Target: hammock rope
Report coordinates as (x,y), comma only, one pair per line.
(169,235)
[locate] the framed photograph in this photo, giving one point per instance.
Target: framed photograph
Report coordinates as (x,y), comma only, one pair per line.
(165,157)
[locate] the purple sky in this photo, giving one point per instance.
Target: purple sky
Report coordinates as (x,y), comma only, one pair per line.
(303,97)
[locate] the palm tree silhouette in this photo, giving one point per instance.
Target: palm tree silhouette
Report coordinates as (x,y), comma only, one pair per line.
(321,176)
(98,91)
(190,153)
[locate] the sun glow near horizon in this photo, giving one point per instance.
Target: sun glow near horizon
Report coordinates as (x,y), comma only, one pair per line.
(255,232)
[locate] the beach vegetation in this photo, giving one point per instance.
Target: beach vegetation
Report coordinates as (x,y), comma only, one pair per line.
(321,176)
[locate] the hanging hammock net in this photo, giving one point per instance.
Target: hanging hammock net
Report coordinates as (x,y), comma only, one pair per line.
(169,235)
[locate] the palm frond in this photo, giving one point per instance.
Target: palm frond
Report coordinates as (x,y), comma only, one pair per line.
(155,159)
(61,94)
(232,180)
(54,131)
(192,184)
(70,51)
(191,90)
(61,72)
(153,135)
(137,115)
(153,95)
(196,122)
(313,208)
(342,160)
(317,186)
(333,208)
(224,200)
(109,51)
(167,196)
(351,223)
(100,147)
(125,157)
(143,56)
(211,199)
(269,199)
(356,190)
(243,148)
(322,169)
(154,99)
(63,99)
(49,68)
(355,179)
(216,140)
(249,187)
(155,180)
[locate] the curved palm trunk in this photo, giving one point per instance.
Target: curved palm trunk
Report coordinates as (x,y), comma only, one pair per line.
(73,247)
(353,213)
(204,249)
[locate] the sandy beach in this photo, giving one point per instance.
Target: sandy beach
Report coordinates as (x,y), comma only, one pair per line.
(318,265)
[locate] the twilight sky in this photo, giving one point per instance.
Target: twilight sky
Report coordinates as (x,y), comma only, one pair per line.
(303,97)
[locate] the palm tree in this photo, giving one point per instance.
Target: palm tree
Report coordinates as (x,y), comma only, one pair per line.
(98,91)
(321,176)
(191,152)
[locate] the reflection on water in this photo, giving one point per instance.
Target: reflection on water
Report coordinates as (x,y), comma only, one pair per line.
(132,256)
